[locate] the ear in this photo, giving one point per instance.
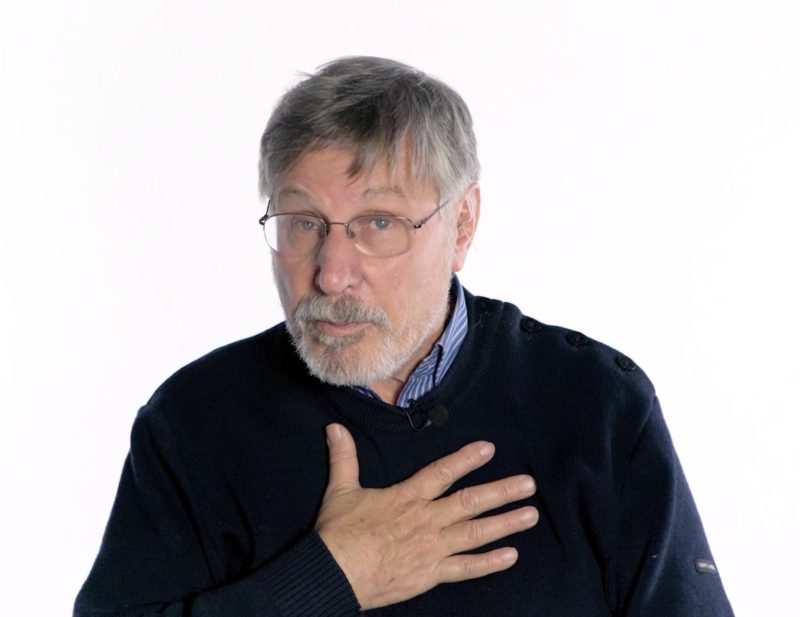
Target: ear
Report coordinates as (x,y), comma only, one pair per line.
(467,213)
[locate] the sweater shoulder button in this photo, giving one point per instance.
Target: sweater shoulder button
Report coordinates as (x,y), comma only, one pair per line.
(529,325)
(576,339)
(625,363)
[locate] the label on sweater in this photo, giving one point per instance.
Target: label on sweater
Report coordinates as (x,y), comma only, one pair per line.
(703,565)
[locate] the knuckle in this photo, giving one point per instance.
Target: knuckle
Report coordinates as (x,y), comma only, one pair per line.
(470,501)
(473,455)
(340,453)
(511,524)
(470,568)
(442,472)
(507,492)
(475,532)
(401,493)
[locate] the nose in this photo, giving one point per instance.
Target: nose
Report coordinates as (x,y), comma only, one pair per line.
(338,263)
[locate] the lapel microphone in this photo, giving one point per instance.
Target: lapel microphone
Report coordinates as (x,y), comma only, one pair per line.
(436,416)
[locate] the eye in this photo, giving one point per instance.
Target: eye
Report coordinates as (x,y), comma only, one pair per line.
(380,223)
(305,224)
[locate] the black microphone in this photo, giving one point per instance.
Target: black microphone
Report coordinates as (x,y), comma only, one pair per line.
(436,417)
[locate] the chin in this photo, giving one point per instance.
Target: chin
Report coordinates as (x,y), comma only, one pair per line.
(355,364)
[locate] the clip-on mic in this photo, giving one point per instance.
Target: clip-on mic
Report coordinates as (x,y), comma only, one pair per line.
(436,417)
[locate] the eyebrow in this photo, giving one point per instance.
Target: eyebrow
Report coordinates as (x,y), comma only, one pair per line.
(291,191)
(383,190)
(372,191)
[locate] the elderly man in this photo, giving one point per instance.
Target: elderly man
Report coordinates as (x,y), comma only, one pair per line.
(377,450)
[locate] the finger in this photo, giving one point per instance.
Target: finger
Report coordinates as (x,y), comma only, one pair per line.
(464,567)
(434,479)
(474,500)
(343,473)
(474,533)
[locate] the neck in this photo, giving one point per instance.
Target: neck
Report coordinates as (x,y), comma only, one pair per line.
(389,389)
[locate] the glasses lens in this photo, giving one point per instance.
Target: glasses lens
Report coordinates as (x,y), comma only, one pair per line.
(294,234)
(381,236)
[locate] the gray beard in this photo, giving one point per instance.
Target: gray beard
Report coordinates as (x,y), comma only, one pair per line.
(325,363)
(328,361)
(324,360)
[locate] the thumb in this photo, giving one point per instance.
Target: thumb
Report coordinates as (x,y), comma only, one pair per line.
(343,474)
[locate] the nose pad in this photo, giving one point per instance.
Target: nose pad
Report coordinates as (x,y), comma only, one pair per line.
(348,232)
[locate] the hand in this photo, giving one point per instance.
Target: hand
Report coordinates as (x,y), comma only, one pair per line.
(398,542)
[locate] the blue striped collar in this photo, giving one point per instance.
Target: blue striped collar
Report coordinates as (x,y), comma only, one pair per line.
(430,372)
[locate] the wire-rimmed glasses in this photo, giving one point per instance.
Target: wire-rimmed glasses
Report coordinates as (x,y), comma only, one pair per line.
(295,234)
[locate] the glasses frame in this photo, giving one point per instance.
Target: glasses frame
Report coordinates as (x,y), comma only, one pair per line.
(326,225)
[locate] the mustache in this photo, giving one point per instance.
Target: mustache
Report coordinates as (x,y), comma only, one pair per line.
(347,309)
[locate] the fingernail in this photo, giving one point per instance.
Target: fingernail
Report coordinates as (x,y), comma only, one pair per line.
(333,432)
(529,515)
(487,449)
(508,555)
(527,485)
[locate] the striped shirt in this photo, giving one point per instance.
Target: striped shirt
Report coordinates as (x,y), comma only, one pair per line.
(430,372)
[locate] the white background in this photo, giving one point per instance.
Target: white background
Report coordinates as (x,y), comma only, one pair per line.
(640,184)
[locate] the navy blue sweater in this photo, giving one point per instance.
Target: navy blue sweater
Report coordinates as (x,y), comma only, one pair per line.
(228,464)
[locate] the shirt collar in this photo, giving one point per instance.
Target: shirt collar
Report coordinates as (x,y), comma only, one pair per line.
(432,369)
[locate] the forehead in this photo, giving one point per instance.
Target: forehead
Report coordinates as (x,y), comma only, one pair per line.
(329,173)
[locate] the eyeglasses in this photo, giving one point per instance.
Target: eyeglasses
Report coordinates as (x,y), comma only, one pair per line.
(375,235)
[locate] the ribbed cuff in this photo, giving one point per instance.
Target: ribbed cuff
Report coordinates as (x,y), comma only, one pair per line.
(306,581)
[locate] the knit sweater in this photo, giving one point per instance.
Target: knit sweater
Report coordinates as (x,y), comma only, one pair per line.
(218,498)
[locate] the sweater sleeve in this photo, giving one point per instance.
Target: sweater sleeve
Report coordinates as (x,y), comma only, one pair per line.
(663,565)
(153,561)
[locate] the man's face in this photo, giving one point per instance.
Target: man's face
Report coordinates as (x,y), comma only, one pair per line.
(355,319)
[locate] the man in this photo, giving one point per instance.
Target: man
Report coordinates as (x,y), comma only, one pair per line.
(377,451)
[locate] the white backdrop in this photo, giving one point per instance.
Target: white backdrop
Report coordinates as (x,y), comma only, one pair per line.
(640,184)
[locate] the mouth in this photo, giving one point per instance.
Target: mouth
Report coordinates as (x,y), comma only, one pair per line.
(335,324)
(340,328)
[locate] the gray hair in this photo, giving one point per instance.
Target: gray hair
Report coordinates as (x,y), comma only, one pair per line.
(376,107)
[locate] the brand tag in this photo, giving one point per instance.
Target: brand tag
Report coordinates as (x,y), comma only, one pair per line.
(703,565)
